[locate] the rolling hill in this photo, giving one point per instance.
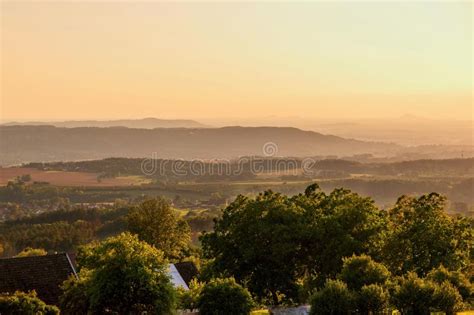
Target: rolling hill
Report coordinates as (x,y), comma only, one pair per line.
(48,143)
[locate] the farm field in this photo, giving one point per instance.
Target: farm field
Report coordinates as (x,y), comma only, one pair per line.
(63,178)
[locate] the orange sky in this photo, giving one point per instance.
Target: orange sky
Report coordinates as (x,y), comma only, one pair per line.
(107,60)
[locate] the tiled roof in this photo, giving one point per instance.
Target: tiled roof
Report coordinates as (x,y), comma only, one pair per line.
(44,274)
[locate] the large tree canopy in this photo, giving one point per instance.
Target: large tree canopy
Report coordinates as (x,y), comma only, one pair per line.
(338,225)
(121,275)
(423,237)
(273,240)
(155,222)
(257,241)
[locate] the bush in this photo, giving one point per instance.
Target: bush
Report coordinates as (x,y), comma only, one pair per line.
(334,298)
(21,303)
(188,299)
(28,252)
(358,271)
(414,296)
(456,278)
(224,296)
(120,275)
(372,299)
(447,298)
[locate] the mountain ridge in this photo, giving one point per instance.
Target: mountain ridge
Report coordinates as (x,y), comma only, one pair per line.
(48,143)
(143,123)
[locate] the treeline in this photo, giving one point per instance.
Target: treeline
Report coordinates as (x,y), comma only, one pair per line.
(21,192)
(113,167)
(337,251)
(274,241)
(66,229)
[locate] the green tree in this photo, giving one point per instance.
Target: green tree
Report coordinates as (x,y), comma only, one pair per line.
(155,222)
(75,298)
(21,303)
(224,296)
(358,271)
(372,299)
(414,296)
(256,241)
(338,225)
(27,252)
(120,275)
(272,241)
(424,237)
(456,278)
(447,298)
(333,299)
(188,299)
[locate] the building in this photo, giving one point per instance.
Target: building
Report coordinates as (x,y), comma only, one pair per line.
(44,274)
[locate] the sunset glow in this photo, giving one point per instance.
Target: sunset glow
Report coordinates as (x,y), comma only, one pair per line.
(126,60)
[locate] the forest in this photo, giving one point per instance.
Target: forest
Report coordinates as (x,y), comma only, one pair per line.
(275,249)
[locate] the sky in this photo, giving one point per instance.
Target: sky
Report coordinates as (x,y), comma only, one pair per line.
(114,60)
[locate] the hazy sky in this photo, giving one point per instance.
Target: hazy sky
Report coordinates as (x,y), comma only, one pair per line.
(194,60)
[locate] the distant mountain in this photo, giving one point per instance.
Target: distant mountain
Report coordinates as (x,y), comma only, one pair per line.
(145,123)
(406,130)
(47,143)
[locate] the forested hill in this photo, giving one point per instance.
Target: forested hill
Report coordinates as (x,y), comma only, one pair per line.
(48,143)
(328,168)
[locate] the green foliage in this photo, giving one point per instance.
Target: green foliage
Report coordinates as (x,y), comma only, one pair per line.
(27,252)
(61,230)
(122,275)
(372,299)
(447,298)
(256,241)
(333,299)
(155,222)
(75,297)
(358,271)
(456,278)
(414,296)
(224,296)
(423,237)
(188,299)
(21,303)
(271,241)
(57,236)
(338,225)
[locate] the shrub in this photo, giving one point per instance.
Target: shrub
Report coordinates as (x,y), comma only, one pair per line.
(358,271)
(414,296)
(224,296)
(188,299)
(333,298)
(21,303)
(456,278)
(447,298)
(120,275)
(28,252)
(372,299)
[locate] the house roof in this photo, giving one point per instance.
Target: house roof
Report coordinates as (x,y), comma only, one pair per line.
(187,270)
(44,274)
